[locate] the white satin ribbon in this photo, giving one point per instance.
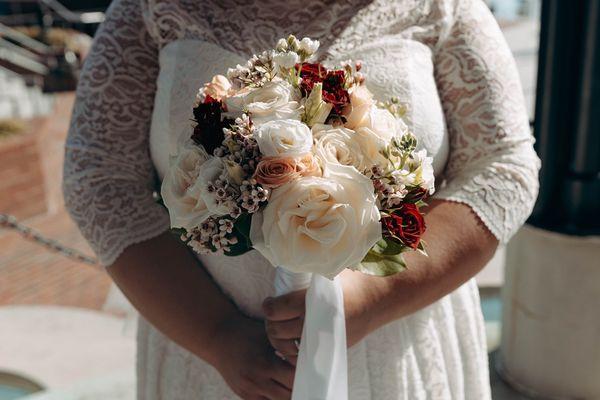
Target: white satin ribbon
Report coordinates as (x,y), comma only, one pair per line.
(322,367)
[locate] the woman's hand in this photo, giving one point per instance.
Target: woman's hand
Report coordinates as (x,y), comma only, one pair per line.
(459,246)
(285,316)
(248,363)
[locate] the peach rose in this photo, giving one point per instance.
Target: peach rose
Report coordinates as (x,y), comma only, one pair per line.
(361,101)
(273,172)
(218,88)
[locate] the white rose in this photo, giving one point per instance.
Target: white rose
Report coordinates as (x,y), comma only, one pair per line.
(272,101)
(286,60)
(319,225)
(371,146)
(309,46)
(286,137)
(383,124)
(214,168)
(186,208)
(339,145)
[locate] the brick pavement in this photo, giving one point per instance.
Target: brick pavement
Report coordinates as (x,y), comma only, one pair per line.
(30,274)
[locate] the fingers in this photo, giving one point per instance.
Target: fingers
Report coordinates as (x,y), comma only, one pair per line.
(272,379)
(287,348)
(283,373)
(292,360)
(289,329)
(274,391)
(285,307)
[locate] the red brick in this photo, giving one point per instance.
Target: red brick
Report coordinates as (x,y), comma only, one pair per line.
(30,274)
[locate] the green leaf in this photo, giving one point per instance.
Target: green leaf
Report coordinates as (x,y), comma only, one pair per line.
(421,248)
(241,228)
(384,258)
(389,247)
(421,204)
(381,265)
(178,232)
(237,249)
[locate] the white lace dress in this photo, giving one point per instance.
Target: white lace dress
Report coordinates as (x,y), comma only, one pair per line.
(446,58)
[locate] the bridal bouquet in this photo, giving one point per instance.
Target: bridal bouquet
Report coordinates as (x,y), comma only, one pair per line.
(299,161)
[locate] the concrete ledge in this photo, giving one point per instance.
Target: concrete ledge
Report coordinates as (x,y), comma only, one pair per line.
(550,344)
(60,347)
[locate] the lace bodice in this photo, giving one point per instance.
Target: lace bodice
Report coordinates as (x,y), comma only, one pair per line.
(440,55)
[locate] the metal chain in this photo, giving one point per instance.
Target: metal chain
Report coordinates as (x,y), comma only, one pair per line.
(10,222)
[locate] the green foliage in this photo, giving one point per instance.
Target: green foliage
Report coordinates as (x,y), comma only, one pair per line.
(178,232)
(384,259)
(241,228)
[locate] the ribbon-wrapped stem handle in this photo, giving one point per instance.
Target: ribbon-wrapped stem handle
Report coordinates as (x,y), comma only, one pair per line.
(322,367)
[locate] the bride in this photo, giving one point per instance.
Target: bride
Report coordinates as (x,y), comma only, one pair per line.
(208,327)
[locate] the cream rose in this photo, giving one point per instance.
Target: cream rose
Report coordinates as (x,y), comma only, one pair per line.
(186,208)
(339,145)
(371,146)
(383,124)
(360,149)
(283,138)
(361,101)
(274,100)
(319,224)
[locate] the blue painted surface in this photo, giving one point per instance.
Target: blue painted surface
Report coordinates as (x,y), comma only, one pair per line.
(508,9)
(491,307)
(12,393)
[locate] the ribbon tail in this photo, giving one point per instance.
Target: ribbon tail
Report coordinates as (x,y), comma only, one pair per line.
(322,367)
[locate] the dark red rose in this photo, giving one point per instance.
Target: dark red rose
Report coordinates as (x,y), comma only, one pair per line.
(334,81)
(334,91)
(209,99)
(209,129)
(310,73)
(333,84)
(406,224)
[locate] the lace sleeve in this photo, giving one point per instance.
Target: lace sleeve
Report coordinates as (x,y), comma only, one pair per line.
(492,165)
(108,174)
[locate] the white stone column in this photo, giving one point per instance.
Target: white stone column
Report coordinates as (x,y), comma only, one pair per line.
(551,318)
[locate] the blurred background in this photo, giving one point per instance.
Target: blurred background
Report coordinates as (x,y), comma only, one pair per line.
(67,333)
